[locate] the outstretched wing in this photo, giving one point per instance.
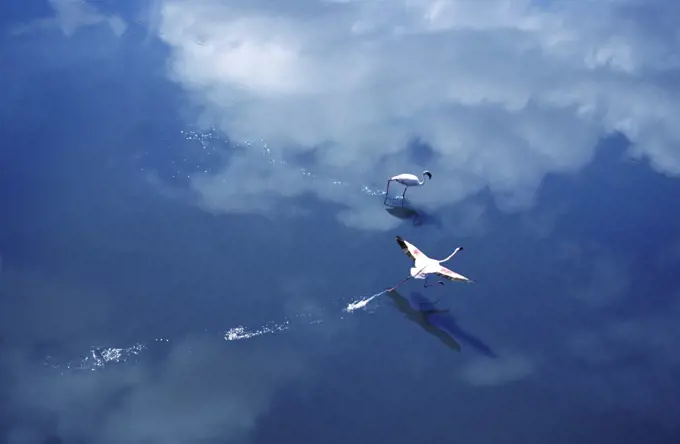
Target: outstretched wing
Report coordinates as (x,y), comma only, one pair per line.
(450,275)
(410,249)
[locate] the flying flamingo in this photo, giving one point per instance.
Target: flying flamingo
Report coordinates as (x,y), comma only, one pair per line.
(424,266)
(408,180)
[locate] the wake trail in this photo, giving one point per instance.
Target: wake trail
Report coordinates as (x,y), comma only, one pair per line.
(241,332)
(97,358)
(212,144)
(362,303)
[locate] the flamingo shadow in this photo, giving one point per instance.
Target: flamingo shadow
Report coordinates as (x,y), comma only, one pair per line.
(417,216)
(438,322)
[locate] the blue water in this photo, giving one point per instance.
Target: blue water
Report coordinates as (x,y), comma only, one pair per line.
(146,296)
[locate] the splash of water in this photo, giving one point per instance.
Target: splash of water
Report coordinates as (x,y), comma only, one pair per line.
(97,358)
(211,144)
(240,332)
(362,303)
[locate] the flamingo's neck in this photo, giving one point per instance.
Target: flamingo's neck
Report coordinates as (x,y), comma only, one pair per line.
(450,256)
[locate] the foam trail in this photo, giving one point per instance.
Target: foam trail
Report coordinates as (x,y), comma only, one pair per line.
(100,357)
(362,303)
(97,358)
(240,332)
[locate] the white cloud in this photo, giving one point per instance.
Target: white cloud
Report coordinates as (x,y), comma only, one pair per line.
(597,276)
(73,14)
(653,335)
(488,372)
(611,362)
(204,390)
(503,91)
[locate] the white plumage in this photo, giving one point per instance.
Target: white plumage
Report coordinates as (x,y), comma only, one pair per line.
(424,266)
(408,180)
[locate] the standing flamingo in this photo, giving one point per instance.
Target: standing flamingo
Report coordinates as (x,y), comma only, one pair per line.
(408,180)
(424,266)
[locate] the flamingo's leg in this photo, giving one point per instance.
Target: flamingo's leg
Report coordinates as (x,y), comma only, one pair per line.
(387,191)
(438,282)
(406,279)
(403,281)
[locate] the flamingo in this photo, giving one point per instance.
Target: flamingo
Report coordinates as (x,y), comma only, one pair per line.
(408,180)
(424,266)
